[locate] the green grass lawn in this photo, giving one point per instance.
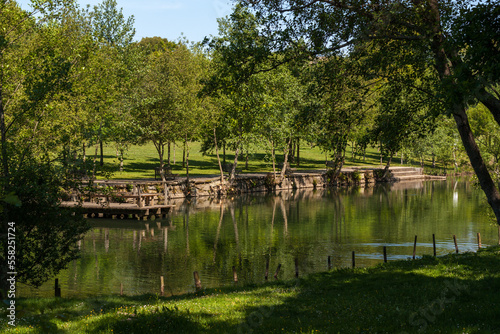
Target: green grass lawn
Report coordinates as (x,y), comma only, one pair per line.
(450,294)
(140,161)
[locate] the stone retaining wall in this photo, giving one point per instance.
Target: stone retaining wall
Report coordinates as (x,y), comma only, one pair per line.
(212,187)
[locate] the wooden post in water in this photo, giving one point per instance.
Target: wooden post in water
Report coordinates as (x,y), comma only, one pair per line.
(162,286)
(277,271)
(197,282)
(296,267)
(456,245)
(478,240)
(415,248)
(329,262)
(57,288)
(434,244)
(267,267)
(353,259)
(385,254)
(235,275)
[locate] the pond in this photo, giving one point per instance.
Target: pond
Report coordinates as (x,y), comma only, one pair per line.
(212,236)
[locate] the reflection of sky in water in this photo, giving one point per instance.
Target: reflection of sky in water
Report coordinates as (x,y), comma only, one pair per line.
(306,225)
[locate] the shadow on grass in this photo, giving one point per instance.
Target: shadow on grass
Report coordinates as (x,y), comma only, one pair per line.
(451,294)
(426,296)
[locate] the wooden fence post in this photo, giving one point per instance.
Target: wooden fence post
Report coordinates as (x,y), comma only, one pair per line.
(121,289)
(456,245)
(353,259)
(162,286)
(197,282)
(415,248)
(478,240)
(329,262)
(57,288)
(434,244)
(296,267)
(385,254)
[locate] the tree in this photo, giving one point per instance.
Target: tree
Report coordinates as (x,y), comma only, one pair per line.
(434,34)
(284,98)
(341,101)
(255,106)
(166,103)
(109,25)
(34,76)
(113,35)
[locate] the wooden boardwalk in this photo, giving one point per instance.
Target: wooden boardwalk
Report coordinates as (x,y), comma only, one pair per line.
(119,210)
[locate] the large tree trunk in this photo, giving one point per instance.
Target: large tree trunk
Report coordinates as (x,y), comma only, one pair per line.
(477,162)
(445,71)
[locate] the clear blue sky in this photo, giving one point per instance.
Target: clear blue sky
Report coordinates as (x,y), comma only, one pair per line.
(169,18)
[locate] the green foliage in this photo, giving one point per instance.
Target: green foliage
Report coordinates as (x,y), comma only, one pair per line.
(46,235)
(38,54)
(110,26)
(434,59)
(166,106)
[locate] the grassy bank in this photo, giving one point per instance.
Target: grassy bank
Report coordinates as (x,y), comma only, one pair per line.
(140,161)
(450,294)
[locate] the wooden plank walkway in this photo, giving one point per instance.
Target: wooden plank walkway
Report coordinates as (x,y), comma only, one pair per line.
(119,210)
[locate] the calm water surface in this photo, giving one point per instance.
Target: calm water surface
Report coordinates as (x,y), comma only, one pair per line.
(213,236)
